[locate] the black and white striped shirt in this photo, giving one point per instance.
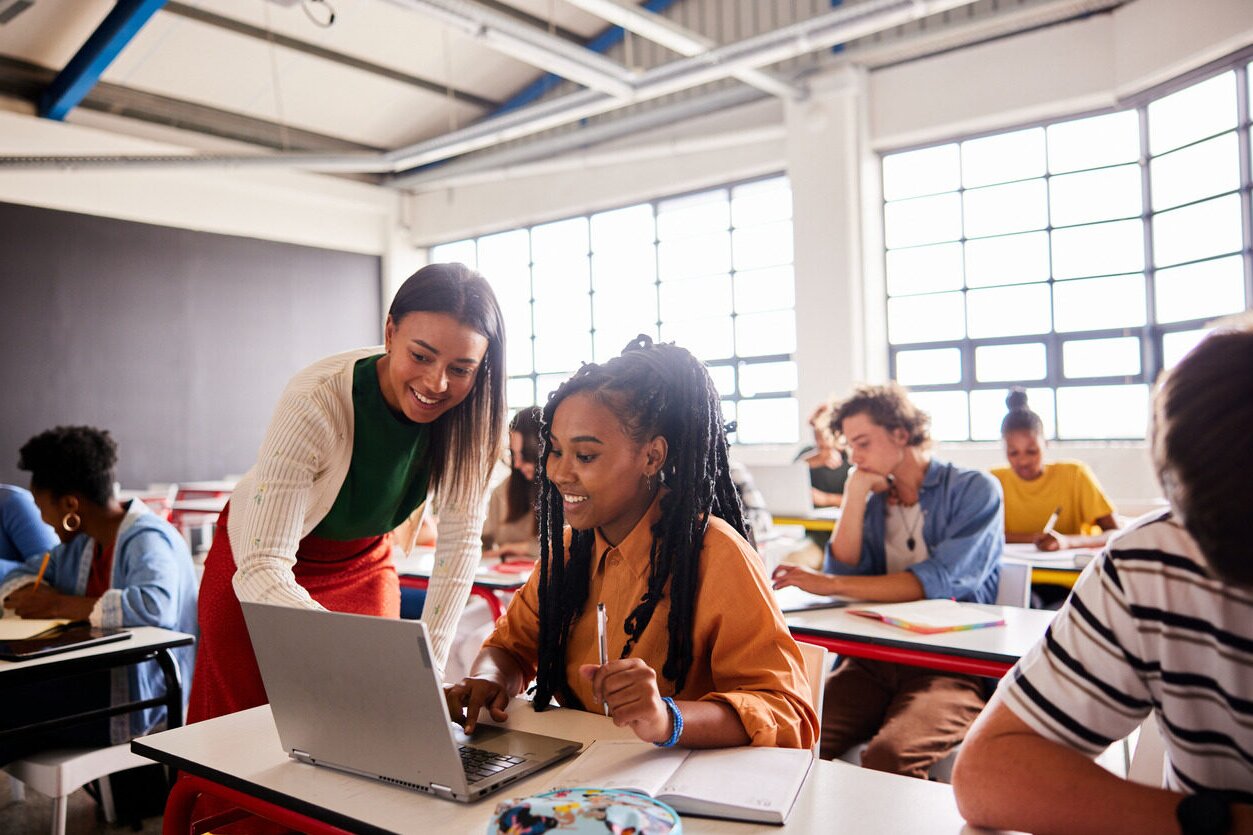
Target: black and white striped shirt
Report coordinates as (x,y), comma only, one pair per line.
(1149,627)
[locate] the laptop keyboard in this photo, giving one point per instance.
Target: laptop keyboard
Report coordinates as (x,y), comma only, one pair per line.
(479,764)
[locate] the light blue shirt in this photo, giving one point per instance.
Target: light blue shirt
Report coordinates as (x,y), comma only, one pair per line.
(962,525)
(23,533)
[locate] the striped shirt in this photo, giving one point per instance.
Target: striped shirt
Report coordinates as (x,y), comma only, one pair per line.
(1149,628)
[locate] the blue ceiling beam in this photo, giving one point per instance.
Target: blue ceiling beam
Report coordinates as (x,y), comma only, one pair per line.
(74,82)
(602,43)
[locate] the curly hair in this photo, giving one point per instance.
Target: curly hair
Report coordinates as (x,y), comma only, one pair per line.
(654,389)
(71,459)
(887,406)
(1019,418)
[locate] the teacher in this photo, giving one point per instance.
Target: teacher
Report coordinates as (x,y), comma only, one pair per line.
(358,442)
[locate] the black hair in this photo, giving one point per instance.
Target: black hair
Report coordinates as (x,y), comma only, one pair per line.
(1019,418)
(522,495)
(465,441)
(1202,447)
(654,389)
(71,459)
(887,406)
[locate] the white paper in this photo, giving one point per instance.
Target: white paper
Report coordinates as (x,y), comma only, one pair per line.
(18,629)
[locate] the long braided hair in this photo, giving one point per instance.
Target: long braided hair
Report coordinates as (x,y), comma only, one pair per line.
(655,389)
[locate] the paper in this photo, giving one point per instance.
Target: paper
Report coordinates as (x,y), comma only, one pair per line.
(931,616)
(19,629)
(793,599)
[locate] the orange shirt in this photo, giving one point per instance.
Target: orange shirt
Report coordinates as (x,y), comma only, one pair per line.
(742,654)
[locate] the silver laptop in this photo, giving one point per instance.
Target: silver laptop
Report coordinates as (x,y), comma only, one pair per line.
(785,488)
(361,694)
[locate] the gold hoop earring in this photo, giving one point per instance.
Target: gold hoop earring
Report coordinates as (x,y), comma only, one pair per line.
(71,522)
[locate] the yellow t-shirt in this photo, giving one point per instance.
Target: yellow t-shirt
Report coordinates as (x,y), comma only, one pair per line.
(1069,485)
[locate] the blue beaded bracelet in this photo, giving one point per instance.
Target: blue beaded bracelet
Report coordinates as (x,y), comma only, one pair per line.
(677,716)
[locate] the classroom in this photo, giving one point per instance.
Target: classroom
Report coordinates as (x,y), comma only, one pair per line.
(937,205)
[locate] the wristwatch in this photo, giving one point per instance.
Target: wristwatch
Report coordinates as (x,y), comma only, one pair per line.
(1204,813)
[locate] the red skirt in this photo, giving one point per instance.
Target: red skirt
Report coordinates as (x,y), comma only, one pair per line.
(355,576)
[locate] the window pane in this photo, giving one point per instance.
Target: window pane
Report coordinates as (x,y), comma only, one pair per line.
(1095,195)
(773,421)
(761,334)
(1176,345)
(724,379)
(696,255)
(987,410)
(458,251)
(762,246)
(518,338)
(1102,249)
(1001,158)
(761,202)
(1199,291)
(773,288)
(561,241)
(694,214)
(551,279)
(1008,311)
(932,318)
(1010,208)
(520,392)
(1101,357)
(948,410)
(609,340)
(1193,113)
(1099,303)
(1009,259)
(696,298)
(1194,172)
(505,261)
(1198,231)
(915,173)
(1102,411)
(728,415)
(1094,142)
(766,377)
(707,339)
(546,384)
(934,367)
(620,314)
(1010,363)
(629,228)
(923,220)
(630,268)
(924,269)
(562,332)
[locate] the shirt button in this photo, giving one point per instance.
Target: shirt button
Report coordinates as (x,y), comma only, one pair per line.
(615,560)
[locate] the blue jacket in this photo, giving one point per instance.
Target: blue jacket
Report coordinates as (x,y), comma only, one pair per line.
(962,525)
(153,583)
(23,533)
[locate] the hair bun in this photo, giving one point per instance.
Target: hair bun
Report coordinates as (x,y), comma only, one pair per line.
(1017,398)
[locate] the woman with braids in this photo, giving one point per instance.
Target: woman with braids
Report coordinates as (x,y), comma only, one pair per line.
(511,529)
(634,460)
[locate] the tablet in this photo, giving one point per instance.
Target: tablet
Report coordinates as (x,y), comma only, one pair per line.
(70,638)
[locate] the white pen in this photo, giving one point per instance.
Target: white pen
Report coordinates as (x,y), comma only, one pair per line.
(1048,526)
(604,645)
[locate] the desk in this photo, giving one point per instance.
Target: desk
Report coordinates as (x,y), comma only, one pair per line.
(238,758)
(204,489)
(818,521)
(1054,568)
(145,643)
(414,571)
(981,652)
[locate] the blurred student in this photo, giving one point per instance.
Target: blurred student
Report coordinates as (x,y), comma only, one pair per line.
(1035,490)
(912,528)
(22,533)
(1161,623)
(511,529)
(828,461)
(116,565)
(634,459)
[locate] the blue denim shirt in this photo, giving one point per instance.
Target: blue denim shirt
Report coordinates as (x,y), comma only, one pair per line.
(23,533)
(963,526)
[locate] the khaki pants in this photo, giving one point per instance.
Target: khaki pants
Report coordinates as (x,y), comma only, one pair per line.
(911,716)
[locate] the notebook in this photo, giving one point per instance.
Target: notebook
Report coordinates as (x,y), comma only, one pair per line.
(362,694)
(749,784)
(931,616)
(13,628)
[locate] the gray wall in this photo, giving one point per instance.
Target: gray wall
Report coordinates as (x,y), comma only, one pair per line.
(178,342)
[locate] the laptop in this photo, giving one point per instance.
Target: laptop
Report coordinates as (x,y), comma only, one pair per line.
(361,694)
(785,488)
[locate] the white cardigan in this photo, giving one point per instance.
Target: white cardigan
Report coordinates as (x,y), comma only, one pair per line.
(299,471)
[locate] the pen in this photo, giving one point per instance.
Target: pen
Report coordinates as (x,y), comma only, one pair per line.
(1048,526)
(39,578)
(604,646)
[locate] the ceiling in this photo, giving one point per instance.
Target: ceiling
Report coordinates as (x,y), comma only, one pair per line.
(392,87)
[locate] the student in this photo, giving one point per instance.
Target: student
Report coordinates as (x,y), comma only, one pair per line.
(912,528)
(1161,623)
(22,533)
(1035,490)
(511,524)
(756,516)
(635,460)
(116,565)
(358,441)
(827,459)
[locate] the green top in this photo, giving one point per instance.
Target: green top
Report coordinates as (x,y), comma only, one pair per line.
(389,472)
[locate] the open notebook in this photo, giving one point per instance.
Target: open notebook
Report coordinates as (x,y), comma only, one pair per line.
(19,629)
(931,616)
(750,784)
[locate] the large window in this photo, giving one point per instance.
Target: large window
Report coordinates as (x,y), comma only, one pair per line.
(1077,259)
(711,271)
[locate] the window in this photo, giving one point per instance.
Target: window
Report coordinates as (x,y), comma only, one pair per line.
(711,271)
(1077,259)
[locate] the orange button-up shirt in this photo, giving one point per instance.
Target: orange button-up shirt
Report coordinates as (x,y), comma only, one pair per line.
(742,654)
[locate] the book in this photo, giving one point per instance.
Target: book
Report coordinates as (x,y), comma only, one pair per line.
(749,784)
(19,629)
(929,617)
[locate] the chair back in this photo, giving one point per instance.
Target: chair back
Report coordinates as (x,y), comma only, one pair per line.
(815,658)
(1015,584)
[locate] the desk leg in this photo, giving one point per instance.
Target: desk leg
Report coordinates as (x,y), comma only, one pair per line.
(173,689)
(189,788)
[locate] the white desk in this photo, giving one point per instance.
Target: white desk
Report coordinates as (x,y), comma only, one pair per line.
(241,754)
(985,652)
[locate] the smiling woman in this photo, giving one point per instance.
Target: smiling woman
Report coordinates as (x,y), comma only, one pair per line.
(358,442)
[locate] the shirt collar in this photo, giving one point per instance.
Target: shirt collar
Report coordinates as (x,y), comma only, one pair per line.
(636,547)
(931,478)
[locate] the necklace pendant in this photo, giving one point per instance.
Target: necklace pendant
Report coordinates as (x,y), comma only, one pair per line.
(910,543)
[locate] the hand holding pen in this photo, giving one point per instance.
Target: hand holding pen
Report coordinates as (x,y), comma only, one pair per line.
(603,644)
(1048,539)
